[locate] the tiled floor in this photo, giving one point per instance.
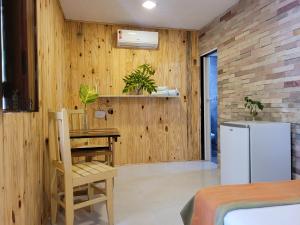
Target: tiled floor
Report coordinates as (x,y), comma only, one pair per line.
(152,194)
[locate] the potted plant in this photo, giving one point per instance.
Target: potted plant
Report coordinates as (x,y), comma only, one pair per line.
(139,80)
(87,96)
(253,106)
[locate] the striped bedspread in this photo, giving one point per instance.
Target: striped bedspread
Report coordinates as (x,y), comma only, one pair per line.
(209,206)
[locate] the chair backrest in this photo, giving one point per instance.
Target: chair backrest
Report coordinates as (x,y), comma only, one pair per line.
(76,119)
(59,139)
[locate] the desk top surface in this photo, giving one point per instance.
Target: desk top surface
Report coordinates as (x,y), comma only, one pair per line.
(95,133)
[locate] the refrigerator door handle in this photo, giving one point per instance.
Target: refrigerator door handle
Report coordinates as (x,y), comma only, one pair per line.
(235,125)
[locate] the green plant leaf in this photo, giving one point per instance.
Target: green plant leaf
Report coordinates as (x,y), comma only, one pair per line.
(140,79)
(253,105)
(87,95)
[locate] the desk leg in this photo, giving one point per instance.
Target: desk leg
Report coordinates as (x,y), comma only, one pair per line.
(107,157)
(113,151)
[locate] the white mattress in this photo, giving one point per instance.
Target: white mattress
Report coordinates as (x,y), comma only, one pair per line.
(279,215)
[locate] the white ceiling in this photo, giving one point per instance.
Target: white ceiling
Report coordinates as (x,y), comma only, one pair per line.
(185,14)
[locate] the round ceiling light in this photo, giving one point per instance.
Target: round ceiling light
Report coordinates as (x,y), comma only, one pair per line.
(149,4)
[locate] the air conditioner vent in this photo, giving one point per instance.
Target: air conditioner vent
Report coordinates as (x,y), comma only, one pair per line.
(137,39)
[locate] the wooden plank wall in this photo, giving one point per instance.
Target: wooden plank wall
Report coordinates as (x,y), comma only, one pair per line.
(23,153)
(153,130)
(24,185)
(259,56)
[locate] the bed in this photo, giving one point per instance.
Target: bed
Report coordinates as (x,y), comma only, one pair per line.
(275,203)
(276,215)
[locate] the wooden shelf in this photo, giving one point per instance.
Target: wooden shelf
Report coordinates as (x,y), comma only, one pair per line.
(138,96)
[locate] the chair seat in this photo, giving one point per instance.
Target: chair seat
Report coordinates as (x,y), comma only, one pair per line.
(90,153)
(91,147)
(89,172)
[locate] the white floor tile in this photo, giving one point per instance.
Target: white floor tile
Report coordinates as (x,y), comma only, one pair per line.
(152,194)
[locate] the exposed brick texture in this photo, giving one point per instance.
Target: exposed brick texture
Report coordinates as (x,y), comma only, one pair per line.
(258,46)
(227,16)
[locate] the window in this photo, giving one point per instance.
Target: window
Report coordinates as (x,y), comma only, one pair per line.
(19,55)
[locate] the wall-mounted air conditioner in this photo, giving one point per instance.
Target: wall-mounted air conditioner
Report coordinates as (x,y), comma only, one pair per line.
(137,39)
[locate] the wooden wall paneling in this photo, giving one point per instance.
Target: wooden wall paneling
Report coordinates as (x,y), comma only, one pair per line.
(74,53)
(109,58)
(188,96)
(87,59)
(86,62)
(51,28)
(171,108)
(158,120)
(140,113)
(138,124)
(167,70)
(151,125)
(67,66)
(43,60)
(113,67)
(104,58)
(2,172)
(76,62)
(24,154)
(184,92)
(94,51)
(144,123)
(177,116)
(14,164)
(195,100)
(148,107)
(116,66)
(125,125)
(121,108)
(33,174)
(155,108)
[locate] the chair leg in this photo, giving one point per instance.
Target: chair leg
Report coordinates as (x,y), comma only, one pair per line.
(109,201)
(69,209)
(54,195)
(90,195)
(88,158)
(69,215)
(109,160)
(106,159)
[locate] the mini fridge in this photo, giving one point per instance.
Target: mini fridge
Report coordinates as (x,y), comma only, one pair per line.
(254,152)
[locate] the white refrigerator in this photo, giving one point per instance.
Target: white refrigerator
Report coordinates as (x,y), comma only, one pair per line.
(255,152)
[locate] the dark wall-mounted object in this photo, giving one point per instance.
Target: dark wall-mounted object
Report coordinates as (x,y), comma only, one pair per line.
(19,65)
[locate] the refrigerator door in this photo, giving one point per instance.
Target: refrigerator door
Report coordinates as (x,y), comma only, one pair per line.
(235,156)
(270,152)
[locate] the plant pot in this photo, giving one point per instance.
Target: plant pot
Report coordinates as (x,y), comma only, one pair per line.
(137,92)
(85,120)
(254,114)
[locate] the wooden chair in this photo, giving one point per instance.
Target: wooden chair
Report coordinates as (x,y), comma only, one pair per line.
(76,118)
(81,175)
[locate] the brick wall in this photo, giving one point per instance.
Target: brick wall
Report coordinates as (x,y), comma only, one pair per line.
(258,44)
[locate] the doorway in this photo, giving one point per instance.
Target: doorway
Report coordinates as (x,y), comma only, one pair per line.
(209,106)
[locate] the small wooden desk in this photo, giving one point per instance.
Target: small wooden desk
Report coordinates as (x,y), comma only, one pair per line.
(111,134)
